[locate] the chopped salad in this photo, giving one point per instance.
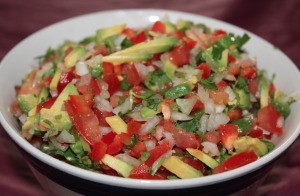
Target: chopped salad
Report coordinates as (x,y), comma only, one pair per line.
(168,101)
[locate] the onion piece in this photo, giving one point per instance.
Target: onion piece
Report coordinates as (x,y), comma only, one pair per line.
(210,148)
(128,159)
(65,137)
(217,119)
(180,116)
(103,104)
(149,125)
(81,68)
(150,144)
(186,105)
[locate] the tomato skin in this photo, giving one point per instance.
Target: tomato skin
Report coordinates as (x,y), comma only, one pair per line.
(253,86)
(231,58)
(108,68)
(233,69)
(137,149)
(235,114)
(98,151)
(115,146)
(236,161)
(212,136)
(84,119)
(267,118)
(113,83)
(128,32)
(198,165)
(248,72)
(159,27)
(218,34)
(228,133)
(133,127)
(205,69)
(143,172)
(256,133)
(180,55)
(109,138)
(101,117)
(157,152)
(47,104)
(141,37)
(65,79)
(131,74)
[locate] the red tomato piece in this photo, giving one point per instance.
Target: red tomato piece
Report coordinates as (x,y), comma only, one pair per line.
(101,116)
(157,152)
(141,37)
(28,87)
(131,74)
(206,70)
(235,114)
(256,133)
(272,88)
(218,34)
(47,104)
(128,32)
(253,86)
(248,72)
(228,133)
(198,165)
(65,78)
(231,58)
(137,149)
(113,83)
(212,136)
(109,138)
(233,69)
(108,68)
(159,27)
(180,55)
(178,34)
(133,127)
(86,123)
(98,151)
(267,118)
(236,161)
(116,146)
(143,172)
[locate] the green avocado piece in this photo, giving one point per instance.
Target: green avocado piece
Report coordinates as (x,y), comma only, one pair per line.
(179,90)
(126,58)
(43,96)
(31,121)
(243,98)
(218,65)
(119,166)
(183,24)
(70,89)
(104,33)
(170,27)
(169,68)
(27,102)
(74,56)
(248,143)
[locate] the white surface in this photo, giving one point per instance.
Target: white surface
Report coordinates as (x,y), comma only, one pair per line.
(20,60)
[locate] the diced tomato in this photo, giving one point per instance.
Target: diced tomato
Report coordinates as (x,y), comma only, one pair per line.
(236,161)
(228,134)
(183,139)
(109,138)
(253,86)
(267,118)
(87,84)
(15,108)
(222,85)
(191,43)
(256,133)
(65,78)
(108,68)
(116,146)
(101,115)
(198,165)
(137,149)
(157,152)
(272,88)
(143,172)
(206,70)
(101,49)
(198,106)
(233,69)
(47,104)
(118,69)
(113,83)
(178,34)
(141,37)
(218,34)
(248,72)
(131,74)
(180,55)
(86,123)
(46,82)
(159,27)
(219,96)
(114,100)
(98,151)
(128,32)
(28,86)
(212,136)
(235,114)
(231,58)
(133,127)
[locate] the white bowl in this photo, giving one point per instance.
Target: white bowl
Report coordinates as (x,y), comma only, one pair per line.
(20,60)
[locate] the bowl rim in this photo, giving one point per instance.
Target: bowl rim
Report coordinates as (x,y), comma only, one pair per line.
(134,183)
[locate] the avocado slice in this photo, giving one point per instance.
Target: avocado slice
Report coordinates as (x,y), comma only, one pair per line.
(119,166)
(70,89)
(183,24)
(169,68)
(43,96)
(170,27)
(74,56)
(27,102)
(206,159)
(104,33)
(117,124)
(126,58)
(55,80)
(30,122)
(180,168)
(218,65)
(248,143)
(243,98)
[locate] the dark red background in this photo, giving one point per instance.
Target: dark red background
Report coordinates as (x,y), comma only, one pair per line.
(277,21)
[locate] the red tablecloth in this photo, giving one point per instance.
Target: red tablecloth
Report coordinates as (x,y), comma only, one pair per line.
(275,20)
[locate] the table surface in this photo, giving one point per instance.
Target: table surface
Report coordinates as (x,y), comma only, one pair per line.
(274,20)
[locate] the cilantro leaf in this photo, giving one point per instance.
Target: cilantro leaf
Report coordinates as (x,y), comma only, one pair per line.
(209,83)
(191,125)
(243,124)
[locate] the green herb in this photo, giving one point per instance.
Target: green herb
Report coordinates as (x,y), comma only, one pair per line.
(96,71)
(270,145)
(199,58)
(191,125)
(144,156)
(125,85)
(87,40)
(134,139)
(283,108)
(243,124)
(223,155)
(157,166)
(156,80)
(209,83)
(178,90)
(241,83)
(126,43)
(49,53)
(153,101)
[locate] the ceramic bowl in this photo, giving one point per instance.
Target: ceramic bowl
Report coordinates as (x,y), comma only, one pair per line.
(63,179)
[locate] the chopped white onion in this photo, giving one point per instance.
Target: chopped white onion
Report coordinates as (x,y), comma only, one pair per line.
(150,144)
(280,122)
(125,106)
(23,118)
(142,70)
(103,104)
(230,92)
(81,68)
(149,125)
(117,110)
(186,105)
(229,77)
(118,41)
(217,119)
(53,93)
(128,159)
(159,132)
(180,116)
(210,148)
(105,130)
(59,146)
(65,137)
(203,123)
(219,108)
